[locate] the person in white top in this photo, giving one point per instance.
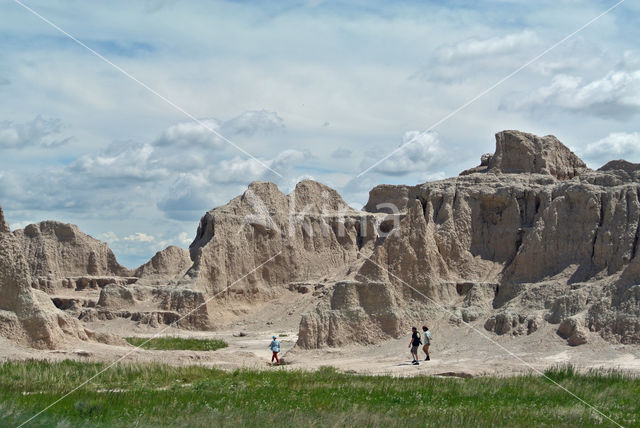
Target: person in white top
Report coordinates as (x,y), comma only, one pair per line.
(427,341)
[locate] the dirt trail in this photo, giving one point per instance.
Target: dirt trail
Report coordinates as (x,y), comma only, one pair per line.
(455,351)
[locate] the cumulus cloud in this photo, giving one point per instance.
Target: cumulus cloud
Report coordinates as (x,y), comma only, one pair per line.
(139,237)
(419,153)
(190,134)
(616,95)
(109,237)
(618,145)
(490,46)
(252,122)
(193,134)
(39,132)
(128,162)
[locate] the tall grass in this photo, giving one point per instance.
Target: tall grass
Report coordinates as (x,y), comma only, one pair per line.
(177,343)
(158,395)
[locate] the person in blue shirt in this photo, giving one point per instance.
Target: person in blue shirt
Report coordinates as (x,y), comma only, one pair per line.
(275,348)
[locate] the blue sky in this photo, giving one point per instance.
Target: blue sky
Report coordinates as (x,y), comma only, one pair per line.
(313,89)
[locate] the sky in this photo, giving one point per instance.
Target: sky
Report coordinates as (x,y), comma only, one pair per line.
(292,90)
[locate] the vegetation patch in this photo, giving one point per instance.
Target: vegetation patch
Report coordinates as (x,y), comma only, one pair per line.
(159,395)
(177,343)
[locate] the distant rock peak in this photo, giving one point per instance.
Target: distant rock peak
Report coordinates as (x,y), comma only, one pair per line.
(523,153)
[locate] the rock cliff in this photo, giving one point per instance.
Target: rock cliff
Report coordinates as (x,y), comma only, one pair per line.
(28,316)
(309,234)
(532,237)
(57,250)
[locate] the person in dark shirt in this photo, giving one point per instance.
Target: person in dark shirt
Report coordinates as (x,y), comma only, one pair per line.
(414,345)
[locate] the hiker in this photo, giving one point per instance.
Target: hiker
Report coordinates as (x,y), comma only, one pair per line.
(427,341)
(275,348)
(414,344)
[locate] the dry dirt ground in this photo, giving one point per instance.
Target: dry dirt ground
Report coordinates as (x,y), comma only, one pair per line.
(455,350)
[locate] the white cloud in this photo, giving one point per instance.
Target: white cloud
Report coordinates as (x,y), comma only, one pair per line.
(39,132)
(491,46)
(616,95)
(194,134)
(191,134)
(252,122)
(128,161)
(109,237)
(618,145)
(139,237)
(184,238)
(419,153)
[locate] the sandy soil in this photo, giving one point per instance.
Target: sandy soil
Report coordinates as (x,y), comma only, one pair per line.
(455,350)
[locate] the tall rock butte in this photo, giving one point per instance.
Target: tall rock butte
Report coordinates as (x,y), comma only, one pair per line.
(530,236)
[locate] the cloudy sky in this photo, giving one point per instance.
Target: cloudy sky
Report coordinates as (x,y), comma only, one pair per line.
(310,89)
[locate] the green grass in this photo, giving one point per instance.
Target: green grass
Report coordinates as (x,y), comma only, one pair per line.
(158,395)
(177,343)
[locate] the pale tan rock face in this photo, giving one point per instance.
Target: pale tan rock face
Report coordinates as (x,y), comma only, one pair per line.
(537,224)
(28,316)
(164,266)
(309,233)
(59,250)
(520,152)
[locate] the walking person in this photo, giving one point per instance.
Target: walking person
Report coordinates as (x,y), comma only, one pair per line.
(427,341)
(275,348)
(414,344)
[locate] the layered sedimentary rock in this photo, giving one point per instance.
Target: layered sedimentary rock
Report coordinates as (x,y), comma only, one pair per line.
(536,236)
(58,250)
(264,239)
(528,238)
(519,152)
(28,316)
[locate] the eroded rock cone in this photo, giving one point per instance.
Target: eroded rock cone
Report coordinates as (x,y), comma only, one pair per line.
(164,265)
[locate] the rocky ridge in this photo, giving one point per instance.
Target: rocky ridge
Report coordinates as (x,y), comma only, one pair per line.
(531,237)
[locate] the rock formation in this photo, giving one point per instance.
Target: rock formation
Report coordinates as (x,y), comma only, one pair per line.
(28,316)
(307,235)
(164,266)
(554,239)
(621,165)
(530,237)
(58,250)
(519,152)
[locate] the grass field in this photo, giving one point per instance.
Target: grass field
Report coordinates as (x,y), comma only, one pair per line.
(177,343)
(157,395)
